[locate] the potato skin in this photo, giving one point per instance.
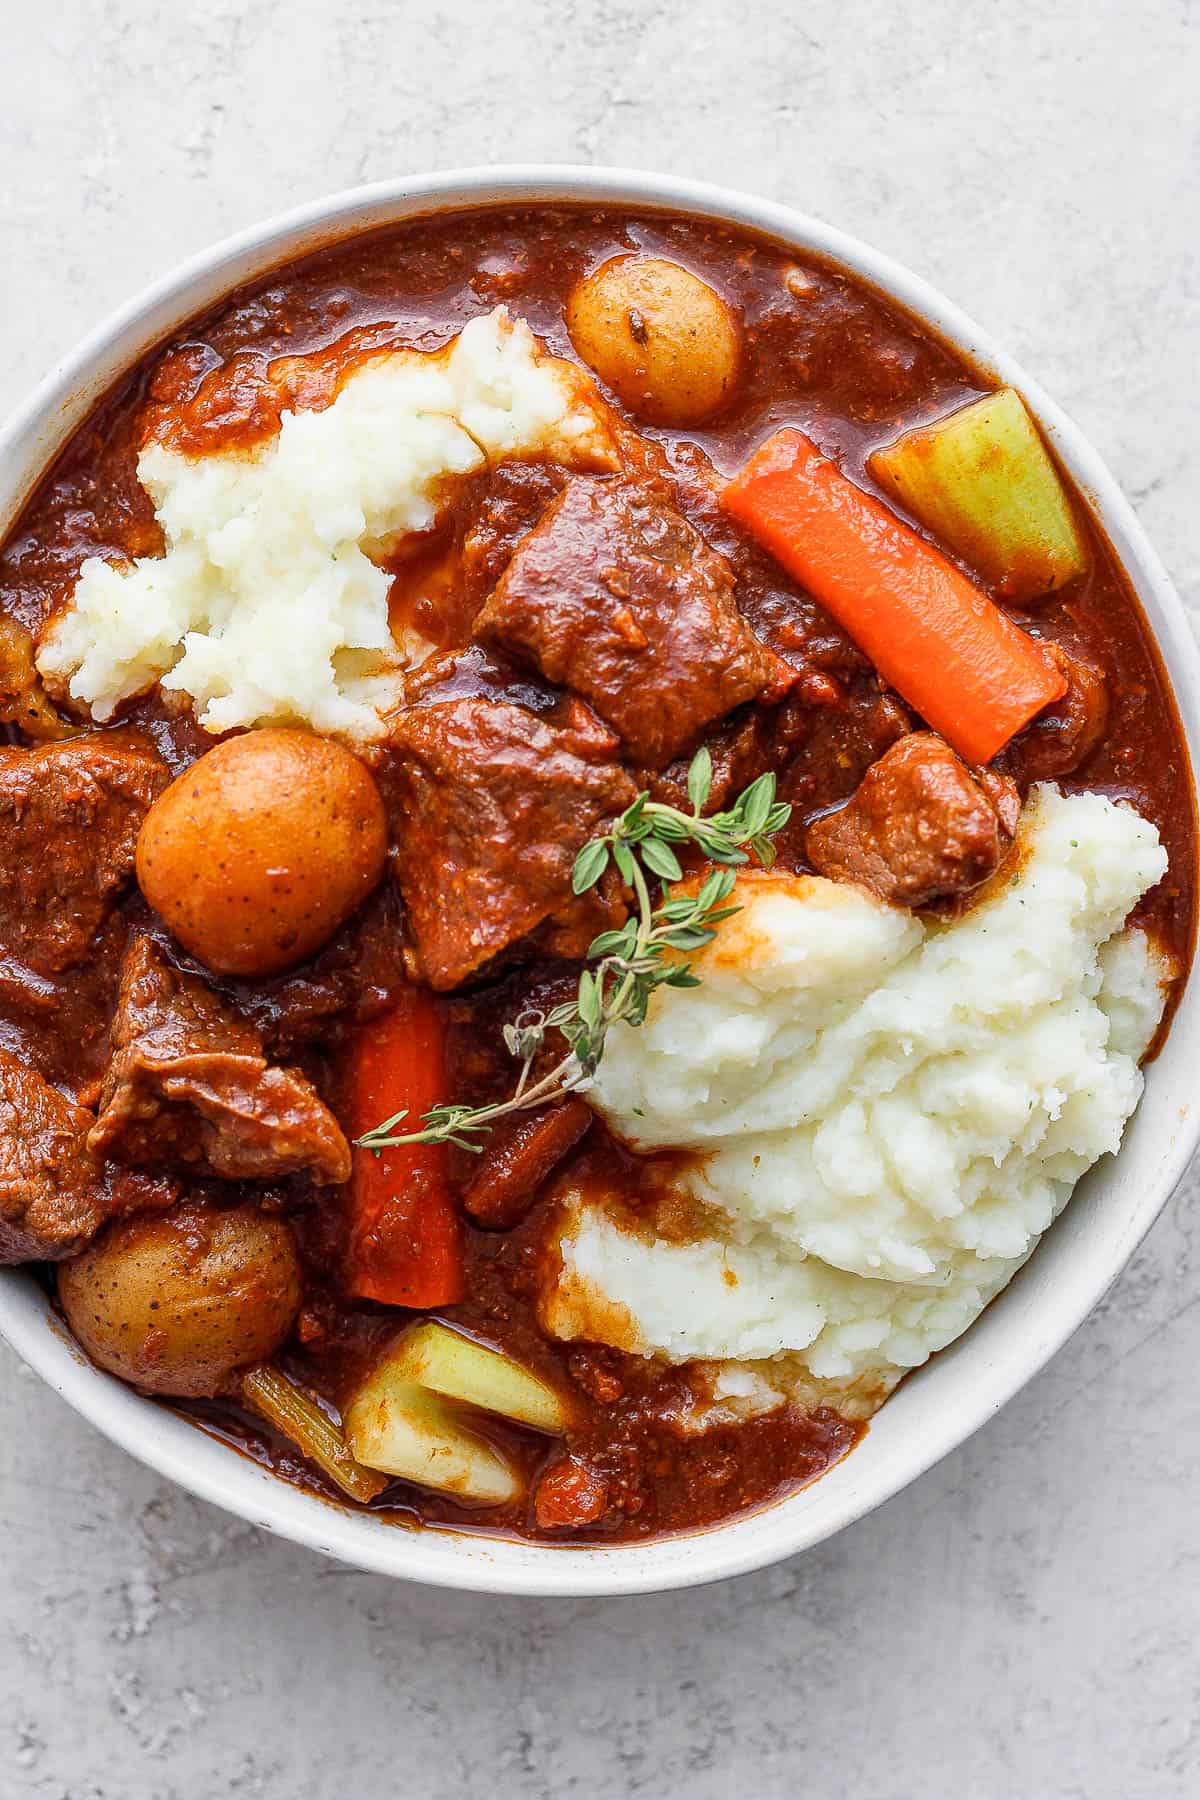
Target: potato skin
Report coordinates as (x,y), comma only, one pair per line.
(256,854)
(179,1302)
(664,341)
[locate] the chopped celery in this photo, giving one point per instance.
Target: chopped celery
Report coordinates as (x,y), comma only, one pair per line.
(407,1417)
(298,1418)
(982,480)
(433,1356)
(392,1424)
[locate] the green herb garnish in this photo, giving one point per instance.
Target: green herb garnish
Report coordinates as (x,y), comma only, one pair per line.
(648,951)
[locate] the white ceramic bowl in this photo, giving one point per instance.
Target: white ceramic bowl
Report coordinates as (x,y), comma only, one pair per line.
(942,1403)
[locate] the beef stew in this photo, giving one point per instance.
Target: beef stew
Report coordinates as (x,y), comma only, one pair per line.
(575,634)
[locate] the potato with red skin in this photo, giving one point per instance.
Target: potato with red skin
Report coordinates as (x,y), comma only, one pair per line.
(181,1302)
(260,850)
(663,340)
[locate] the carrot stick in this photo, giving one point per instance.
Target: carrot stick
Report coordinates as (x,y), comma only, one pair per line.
(960,662)
(405,1243)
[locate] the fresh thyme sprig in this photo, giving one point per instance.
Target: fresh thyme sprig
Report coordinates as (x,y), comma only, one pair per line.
(648,951)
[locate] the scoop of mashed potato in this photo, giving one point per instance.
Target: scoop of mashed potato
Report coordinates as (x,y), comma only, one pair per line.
(889,1111)
(267,606)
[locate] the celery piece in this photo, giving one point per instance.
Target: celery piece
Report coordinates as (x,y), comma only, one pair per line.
(392,1424)
(433,1356)
(297,1417)
(982,480)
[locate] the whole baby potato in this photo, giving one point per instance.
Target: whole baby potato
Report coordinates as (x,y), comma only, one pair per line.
(256,854)
(179,1302)
(662,339)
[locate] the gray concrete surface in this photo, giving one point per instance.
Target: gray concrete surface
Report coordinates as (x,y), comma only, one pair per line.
(1025,1621)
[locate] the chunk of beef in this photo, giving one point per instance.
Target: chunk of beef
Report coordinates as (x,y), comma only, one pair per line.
(518,1157)
(919,828)
(1004,795)
(569,931)
(56,1192)
(69,820)
(440,579)
(615,595)
(742,748)
(58,1024)
(354,977)
(779,612)
(1063,735)
(504,504)
(489,805)
(834,745)
(189,1086)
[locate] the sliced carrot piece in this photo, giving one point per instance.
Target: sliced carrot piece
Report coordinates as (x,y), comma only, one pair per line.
(947,649)
(405,1239)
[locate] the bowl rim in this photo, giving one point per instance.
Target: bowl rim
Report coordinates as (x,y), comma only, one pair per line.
(1006,1360)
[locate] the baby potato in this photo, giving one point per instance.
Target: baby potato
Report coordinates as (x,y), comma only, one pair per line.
(256,854)
(179,1302)
(662,339)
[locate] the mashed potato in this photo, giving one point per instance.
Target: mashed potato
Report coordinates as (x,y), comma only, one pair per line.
(891,1111)
(267,605)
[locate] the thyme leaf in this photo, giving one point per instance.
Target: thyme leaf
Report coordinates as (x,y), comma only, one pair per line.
(629,963)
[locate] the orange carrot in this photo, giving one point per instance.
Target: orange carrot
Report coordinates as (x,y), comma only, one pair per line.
(960,662)
(405,1243)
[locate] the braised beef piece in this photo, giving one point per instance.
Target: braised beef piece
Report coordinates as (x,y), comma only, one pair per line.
(920,826)
(833,746)
(489,805)
(441,578)
(55,1191)
(189,1086)
(615,595)
(351,980)
(779,612)
(571,928)
(1004,795)
(69,820)
(742,747)
(517,1158)
(1063,736)
(508,502)
(58,1024)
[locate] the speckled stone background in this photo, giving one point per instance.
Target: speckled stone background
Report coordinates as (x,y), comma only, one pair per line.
(1025,1622)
